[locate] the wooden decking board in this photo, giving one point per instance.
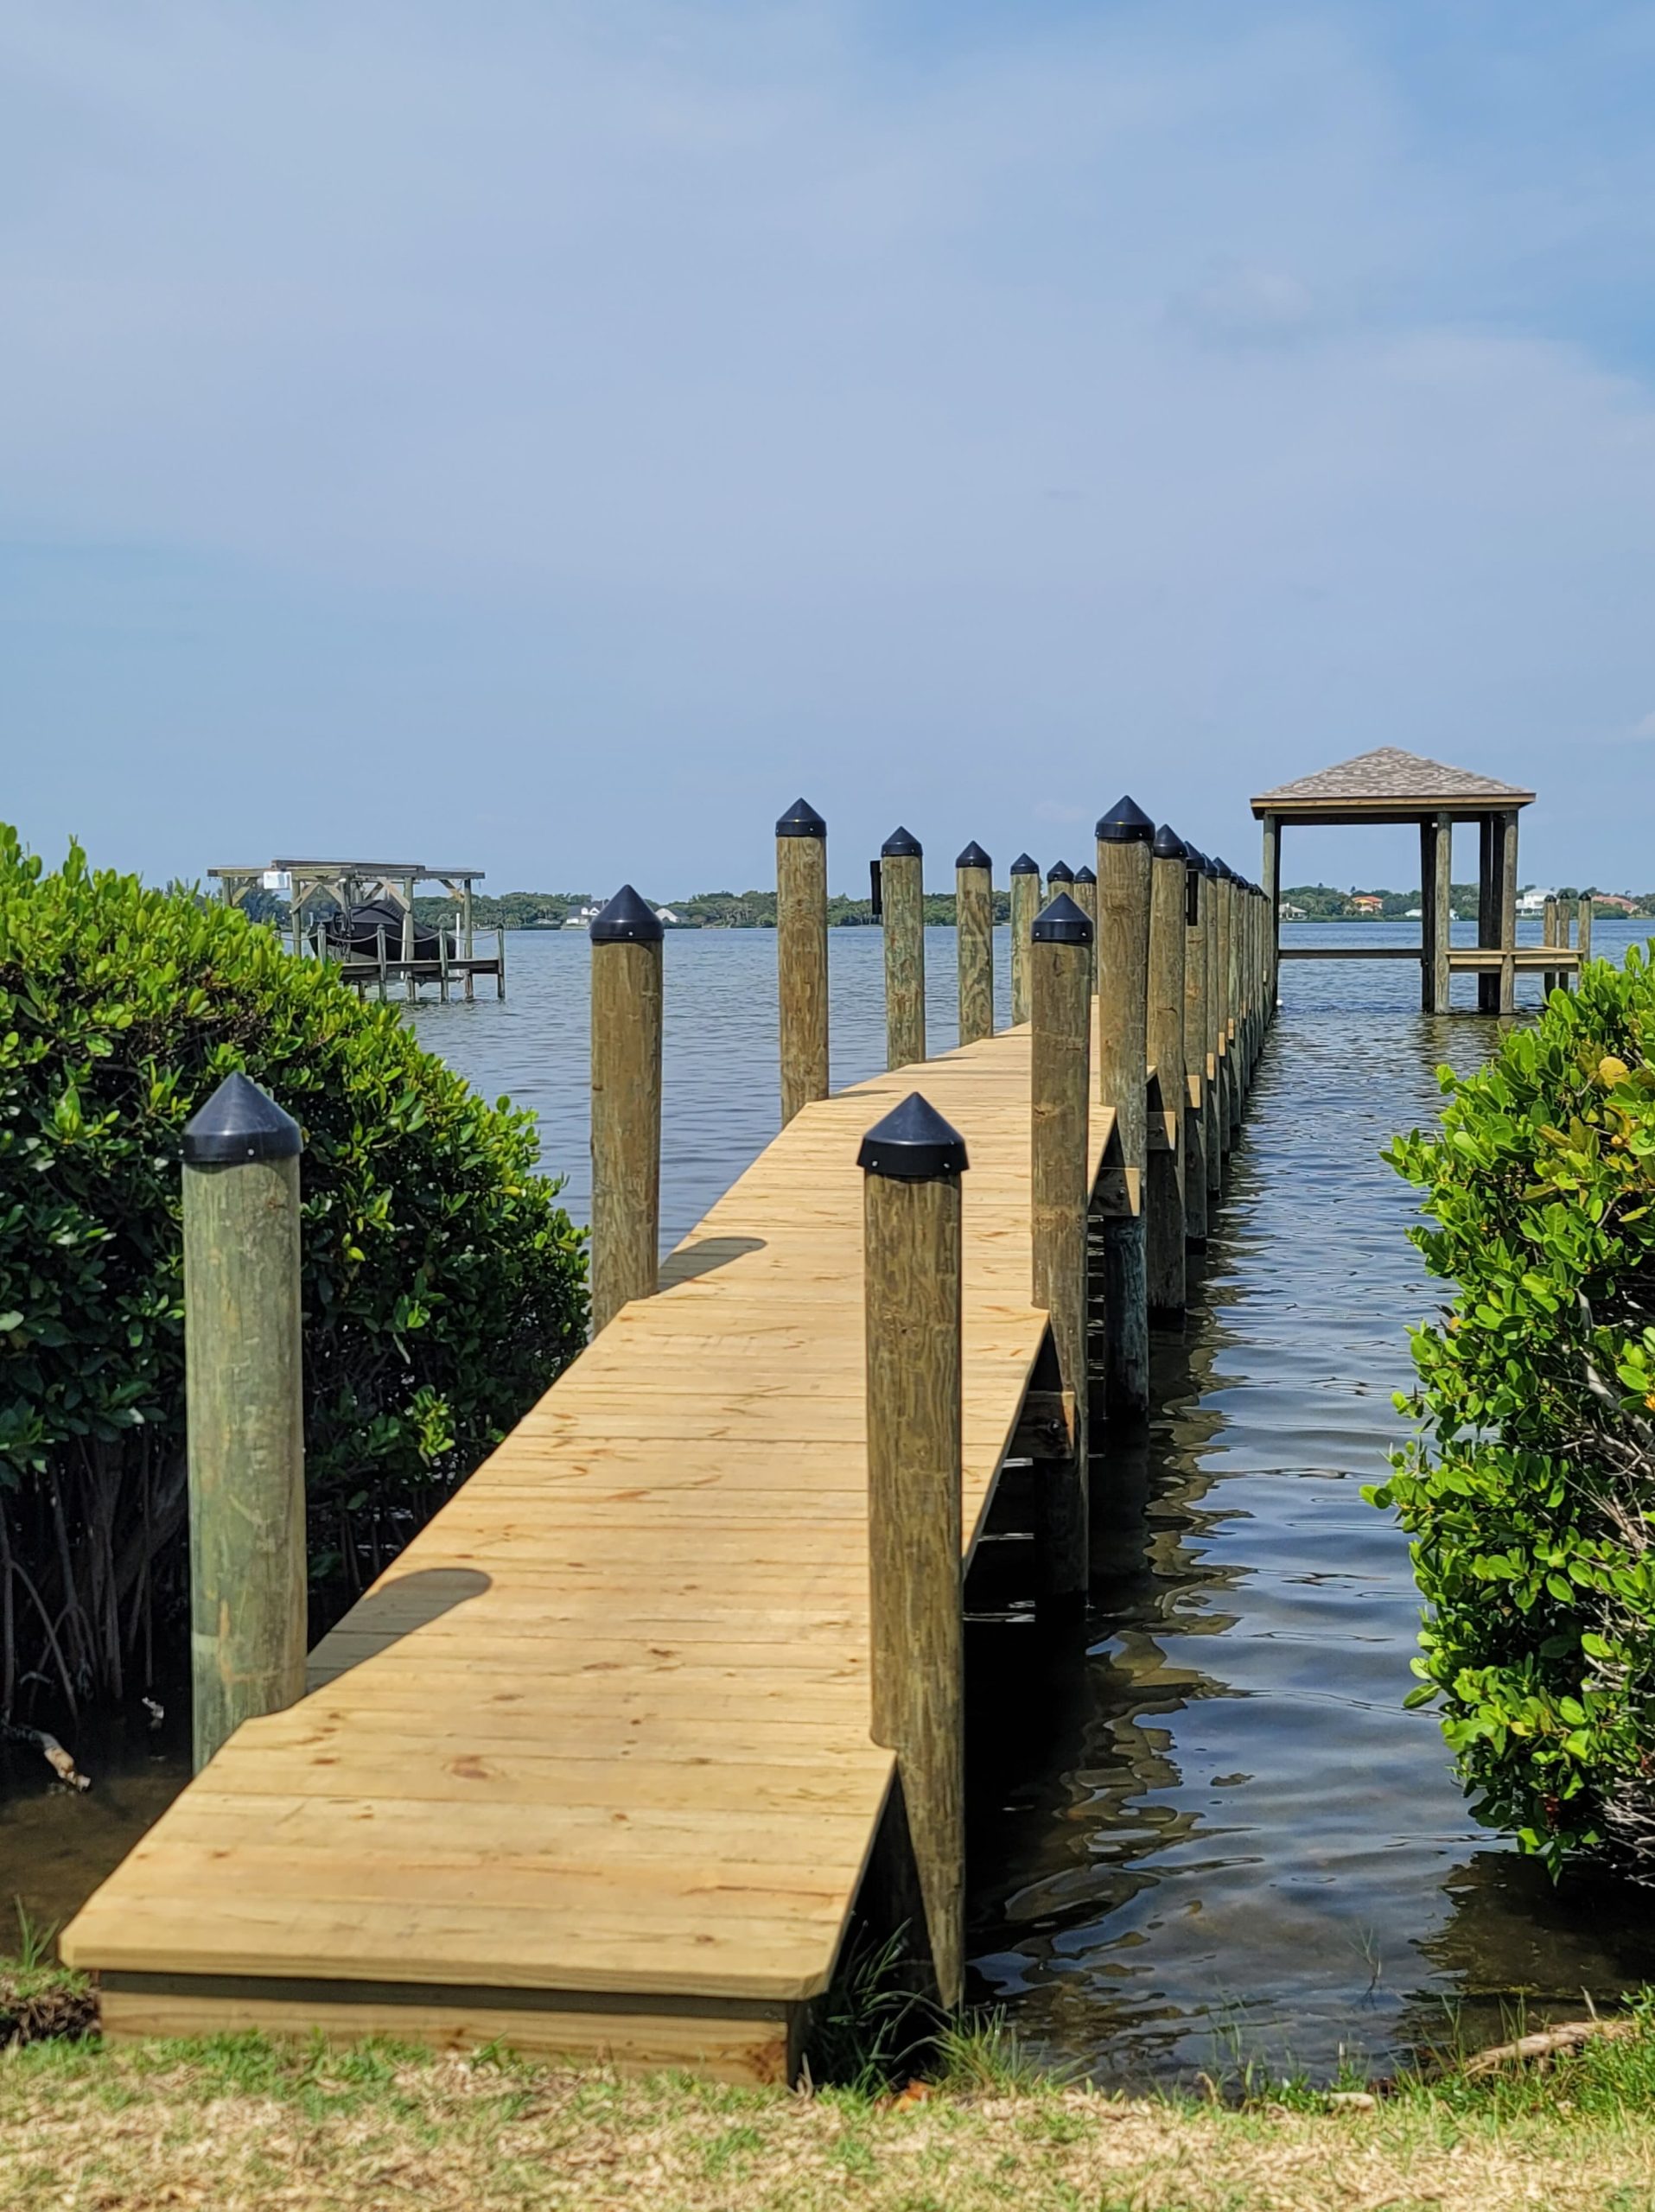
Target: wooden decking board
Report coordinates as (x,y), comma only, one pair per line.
(600,1734)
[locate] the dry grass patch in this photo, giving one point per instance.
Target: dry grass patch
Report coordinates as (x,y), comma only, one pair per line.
(241,2124)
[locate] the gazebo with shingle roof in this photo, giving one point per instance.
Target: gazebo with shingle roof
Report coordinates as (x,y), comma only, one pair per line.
(1391,786)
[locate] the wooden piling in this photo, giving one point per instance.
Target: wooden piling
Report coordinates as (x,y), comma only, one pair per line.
(1549,920)
(901,871)
(1124,835)
(912,1163)
(243,1362)
(1025,904)
(1060,965)
(1195,1047)
(1085,896)
(500,962)
(802,956)
(974,942)
(1442,927)
(627,981)
(1583,933)
(1164,1192)
(1213,1148)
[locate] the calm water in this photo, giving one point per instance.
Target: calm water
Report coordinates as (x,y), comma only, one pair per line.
(1213,1822)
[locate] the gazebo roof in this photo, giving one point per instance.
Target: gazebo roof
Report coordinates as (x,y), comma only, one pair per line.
(1388,785)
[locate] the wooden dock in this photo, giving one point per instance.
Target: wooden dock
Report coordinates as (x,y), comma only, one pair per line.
(589,1768)
(593,1768)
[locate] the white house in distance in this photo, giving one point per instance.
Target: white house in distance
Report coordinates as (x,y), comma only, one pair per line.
(1532,901)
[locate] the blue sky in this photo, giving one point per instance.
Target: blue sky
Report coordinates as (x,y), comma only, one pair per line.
(550,438)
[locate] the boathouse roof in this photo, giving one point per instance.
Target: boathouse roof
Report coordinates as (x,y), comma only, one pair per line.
(1388,785)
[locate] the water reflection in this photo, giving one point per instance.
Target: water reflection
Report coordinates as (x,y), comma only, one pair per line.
(1229,1834)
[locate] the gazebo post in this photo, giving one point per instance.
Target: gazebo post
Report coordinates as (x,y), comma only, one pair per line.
(1429,862)
(1488,911)
(1441,999)
(1507,847)
(1272,873)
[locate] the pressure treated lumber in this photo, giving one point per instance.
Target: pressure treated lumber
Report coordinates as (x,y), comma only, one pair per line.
(626,994)
(1195,1048)
(598,1742)
(901,869)
(1060,965)
(974,934)
(244,1415)
(1123,838)
(1025,904)
(1164,1189)
(913,1161)
(802,956)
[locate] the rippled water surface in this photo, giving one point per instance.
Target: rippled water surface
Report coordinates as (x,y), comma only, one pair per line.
(1210,1827)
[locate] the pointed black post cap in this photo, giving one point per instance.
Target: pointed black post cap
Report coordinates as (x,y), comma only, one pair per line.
(801,820)
(1223,870)
(240,1123)
(974,856)
(1023,865)
(626,920)
(912,1144)
(1126,824)
(1210,868)
(901,845)
(1169,845)
(1085,875)
(1061,923)
(1194,858)
(1060,872)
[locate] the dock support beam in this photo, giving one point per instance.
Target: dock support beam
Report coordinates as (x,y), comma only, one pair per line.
(625,1104)
(974,942)
(801,956)
(912,1164)
(1212,1138)
(1124,835)
(243,1365)
(1060,963)
(1164,1200)
(1025,904)
(901,873)
(1583,936)
(1441,998)
(1196,1049)
(1505,847)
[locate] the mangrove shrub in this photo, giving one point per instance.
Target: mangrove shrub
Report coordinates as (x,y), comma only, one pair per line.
(1529,1492)
(443,1287)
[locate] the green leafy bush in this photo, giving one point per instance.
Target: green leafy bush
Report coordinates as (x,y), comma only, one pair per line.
(444,1288)
(1531,1490)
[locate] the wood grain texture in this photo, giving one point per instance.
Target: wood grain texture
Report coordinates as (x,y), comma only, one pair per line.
(903,884)
(1164,1185)
(802,970)
(1121,1056)
(1025,904)
(1059,1091)
(1195,1052)
(603,1728)
(243,1359)
(917,1653)
(974,929)
(627,981)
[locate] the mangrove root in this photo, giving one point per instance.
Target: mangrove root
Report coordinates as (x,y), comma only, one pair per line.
(60,1762)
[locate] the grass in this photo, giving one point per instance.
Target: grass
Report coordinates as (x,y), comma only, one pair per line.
(240,2124)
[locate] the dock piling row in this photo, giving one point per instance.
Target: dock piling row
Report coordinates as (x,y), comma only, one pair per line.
(627,1010)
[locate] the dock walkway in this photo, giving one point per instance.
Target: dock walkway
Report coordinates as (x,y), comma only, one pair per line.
(589,1770)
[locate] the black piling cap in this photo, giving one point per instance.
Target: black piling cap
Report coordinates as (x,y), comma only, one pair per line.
(1060,872)
(901,845)
(626,920)
(1169,845)
(240,1123)
(974,856)
(1194,858)
(1084,875)
(801,820)
(1223,870)
(1211,869)
(912,1144)
(1061,923)
(1126,824)
(1023,865)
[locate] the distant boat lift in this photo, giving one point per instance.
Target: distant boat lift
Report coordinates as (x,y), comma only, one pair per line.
(360,914)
